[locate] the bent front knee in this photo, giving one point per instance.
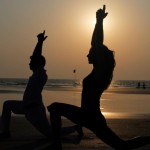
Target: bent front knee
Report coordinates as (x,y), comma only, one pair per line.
(53,107)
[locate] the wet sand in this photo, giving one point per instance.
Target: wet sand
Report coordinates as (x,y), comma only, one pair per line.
(25,137)
(114,103)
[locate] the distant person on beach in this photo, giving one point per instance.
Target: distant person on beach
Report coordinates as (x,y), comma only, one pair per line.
(138,85)
(32,105)
(144,86)
(89,115)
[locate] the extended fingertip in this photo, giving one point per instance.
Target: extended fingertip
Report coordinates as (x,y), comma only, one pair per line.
(104,7)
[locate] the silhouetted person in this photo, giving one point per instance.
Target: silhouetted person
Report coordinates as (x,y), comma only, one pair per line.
(89,115)
(144,87)
(138,85)
(32,98)
(32,105)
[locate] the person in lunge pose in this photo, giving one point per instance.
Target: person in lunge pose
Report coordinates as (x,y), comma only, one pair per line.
(32,105)
(94,84)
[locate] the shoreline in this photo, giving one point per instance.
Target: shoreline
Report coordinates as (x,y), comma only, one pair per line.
(118,90)
(128,90)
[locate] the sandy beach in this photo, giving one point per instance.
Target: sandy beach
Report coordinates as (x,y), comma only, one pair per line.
(25,137)
(127,111)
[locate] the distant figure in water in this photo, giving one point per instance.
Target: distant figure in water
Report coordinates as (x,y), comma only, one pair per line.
(89,115)
(32,105)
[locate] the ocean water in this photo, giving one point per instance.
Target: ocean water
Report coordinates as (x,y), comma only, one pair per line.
(11,82)
(113,104)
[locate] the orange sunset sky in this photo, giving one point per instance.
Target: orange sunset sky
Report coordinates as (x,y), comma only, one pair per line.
(69,25)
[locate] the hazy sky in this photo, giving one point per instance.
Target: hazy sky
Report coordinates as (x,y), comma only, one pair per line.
(69,25)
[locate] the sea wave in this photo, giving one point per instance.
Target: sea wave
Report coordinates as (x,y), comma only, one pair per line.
(17,82)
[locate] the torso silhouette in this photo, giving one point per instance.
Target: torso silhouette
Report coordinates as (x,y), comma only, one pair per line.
(34,87)
(91,93)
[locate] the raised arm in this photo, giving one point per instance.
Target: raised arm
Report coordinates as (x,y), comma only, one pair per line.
(98,35)
(38,48)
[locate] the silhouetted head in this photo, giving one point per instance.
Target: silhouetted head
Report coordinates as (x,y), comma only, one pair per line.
(102,59)
(36,62)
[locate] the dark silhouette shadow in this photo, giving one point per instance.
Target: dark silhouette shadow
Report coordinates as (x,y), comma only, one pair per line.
(36,143)
(31,106)
(144,86)
(138,85)
(89,115)
(40,144)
